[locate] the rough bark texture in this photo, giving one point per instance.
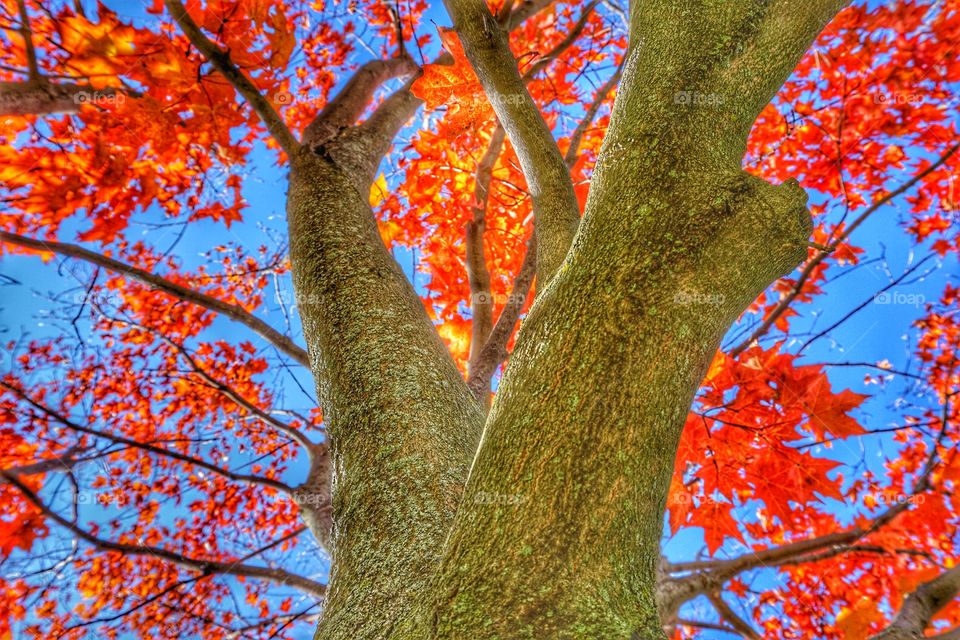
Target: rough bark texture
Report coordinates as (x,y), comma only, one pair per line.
(402,424)
(921,606)
(39,97)
(558,532)
(570,483)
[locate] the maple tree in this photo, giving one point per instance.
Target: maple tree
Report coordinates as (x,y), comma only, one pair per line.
(597,405)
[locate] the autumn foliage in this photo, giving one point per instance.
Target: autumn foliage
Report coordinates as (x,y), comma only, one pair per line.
(152,447)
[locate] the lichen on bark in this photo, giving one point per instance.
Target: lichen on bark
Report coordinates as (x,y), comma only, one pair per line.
(402,425)
(559,521)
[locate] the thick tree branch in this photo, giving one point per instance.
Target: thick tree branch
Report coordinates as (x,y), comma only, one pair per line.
(59,462)
(392,396)
(220,60)
(494,350)
(921,606)
(478,275)
(360,148)
(666,213)
(484,357)
(556,212)
(522,11)
(347,106)
(41,97)
(232,311)
(402,423)
(238,568)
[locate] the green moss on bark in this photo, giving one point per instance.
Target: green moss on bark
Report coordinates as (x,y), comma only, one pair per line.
(402,425)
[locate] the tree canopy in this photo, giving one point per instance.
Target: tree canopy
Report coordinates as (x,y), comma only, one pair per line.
(165,461)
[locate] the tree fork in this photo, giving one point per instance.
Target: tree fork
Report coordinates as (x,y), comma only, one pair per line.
(558,533)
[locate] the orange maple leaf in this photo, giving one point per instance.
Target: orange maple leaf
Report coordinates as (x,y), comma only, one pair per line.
(455,86)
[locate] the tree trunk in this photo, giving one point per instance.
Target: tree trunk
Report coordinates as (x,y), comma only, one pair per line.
(402,424)
(558,532)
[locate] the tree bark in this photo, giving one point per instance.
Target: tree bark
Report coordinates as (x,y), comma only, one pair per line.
(402,424)
(921,606)
(559,530)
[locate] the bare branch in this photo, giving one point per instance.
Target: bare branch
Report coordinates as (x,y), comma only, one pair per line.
(564,44)
(223,388)
(711,574)
(232,311)
(43,97)
(576,138)
(27,34)
(59,462)
(495,350)
(150,448)
(814,262)
(238,568)
(740,625)
(478,275)
(921,606)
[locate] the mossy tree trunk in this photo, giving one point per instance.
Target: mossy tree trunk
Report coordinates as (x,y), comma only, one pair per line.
(548,526)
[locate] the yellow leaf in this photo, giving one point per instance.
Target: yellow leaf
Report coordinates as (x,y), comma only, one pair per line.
(378,191)
(854,622)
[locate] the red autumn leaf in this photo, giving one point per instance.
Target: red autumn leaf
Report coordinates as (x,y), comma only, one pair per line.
(454,86)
